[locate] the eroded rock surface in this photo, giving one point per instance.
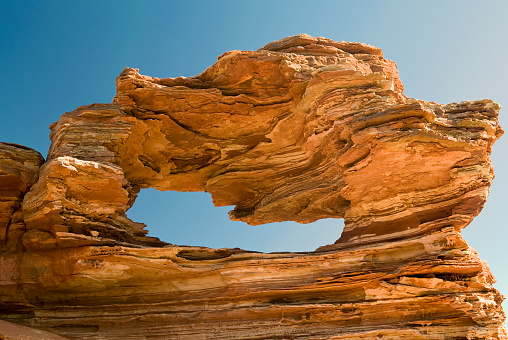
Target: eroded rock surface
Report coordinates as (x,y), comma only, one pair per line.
(19,169)
(304,128)
(10,331)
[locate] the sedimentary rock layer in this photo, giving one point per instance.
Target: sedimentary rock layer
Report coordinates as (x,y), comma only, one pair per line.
(304,128)
(429,287)
(10,331)
(19,168)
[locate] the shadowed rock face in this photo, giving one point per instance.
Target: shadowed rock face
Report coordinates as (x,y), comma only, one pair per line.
(304,128)
(19,168)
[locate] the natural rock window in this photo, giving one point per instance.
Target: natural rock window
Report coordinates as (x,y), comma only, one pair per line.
(304,129)
(189,218)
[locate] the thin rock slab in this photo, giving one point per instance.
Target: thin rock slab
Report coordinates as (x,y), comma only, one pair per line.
(427,287)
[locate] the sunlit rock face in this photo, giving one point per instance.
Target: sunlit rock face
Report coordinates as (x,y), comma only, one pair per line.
(303,129)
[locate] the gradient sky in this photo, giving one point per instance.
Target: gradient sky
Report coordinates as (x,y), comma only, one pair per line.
(58,55)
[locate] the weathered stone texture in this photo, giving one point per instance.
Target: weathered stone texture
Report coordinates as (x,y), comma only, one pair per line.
(19,167)
(10,331)
(304,128)
(295,136)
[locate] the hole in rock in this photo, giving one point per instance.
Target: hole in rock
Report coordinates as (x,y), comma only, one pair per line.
(190,218)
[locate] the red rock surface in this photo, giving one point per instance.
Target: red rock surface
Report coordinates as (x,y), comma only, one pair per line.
(303,129)
(19,168)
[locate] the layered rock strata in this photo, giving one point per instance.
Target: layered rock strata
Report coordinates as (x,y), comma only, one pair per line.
(19,170)
(10,331)
(303,129)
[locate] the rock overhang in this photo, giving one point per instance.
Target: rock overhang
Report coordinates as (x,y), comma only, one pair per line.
(285,132)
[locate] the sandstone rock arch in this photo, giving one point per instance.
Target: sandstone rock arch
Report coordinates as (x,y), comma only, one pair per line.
(304,128)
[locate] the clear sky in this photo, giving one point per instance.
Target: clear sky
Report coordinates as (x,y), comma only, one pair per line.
(57,55)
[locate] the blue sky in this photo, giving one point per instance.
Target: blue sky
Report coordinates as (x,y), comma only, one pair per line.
(57,55)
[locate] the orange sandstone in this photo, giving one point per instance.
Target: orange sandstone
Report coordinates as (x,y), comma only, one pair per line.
(304,128)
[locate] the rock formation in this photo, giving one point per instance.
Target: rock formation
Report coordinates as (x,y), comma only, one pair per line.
(303,129)
(19,168)
(10,331)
